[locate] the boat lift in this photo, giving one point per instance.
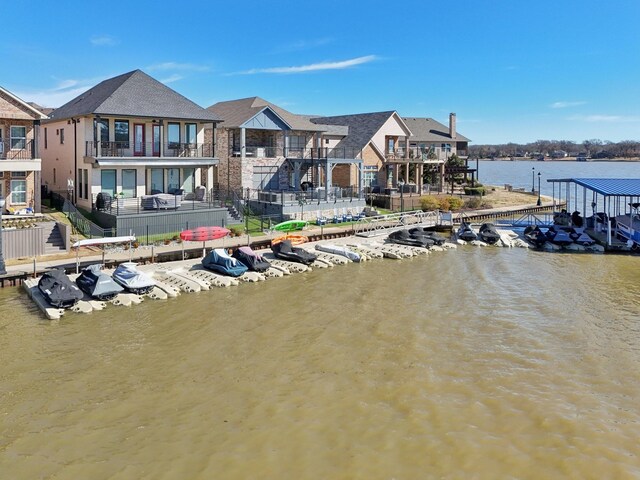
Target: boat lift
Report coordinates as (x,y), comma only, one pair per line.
(101,241)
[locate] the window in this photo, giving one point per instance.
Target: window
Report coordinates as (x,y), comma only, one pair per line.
(188,180)
(101,130)
(86,183)
(80,183)
(157,180)
(62,136)
(18,138)
(129,183)
(190,133)
(108,182)
(326,141)
(121,133)
(46,141)
(18,191)
(54,176)
(18,174)
(390,145)
(296,141)
(173,134)
(446,147)
(370,176)
(173,179)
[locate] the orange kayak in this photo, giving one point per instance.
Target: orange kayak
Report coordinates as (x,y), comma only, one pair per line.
(294,239)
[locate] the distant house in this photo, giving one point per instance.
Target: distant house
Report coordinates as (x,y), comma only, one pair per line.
(20,163)
(438,140)
(559,154)
(128,136)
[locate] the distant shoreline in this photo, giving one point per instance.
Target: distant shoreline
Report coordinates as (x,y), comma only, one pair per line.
(567,159)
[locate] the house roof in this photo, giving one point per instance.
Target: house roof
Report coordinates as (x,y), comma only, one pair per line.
(236,112)
(133,94)
(612,187)
(430,130)
(33,111)
(362,127)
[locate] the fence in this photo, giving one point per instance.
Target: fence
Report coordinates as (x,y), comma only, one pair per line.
(80,223)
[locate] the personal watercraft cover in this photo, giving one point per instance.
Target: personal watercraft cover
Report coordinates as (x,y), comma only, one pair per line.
(466,233)
(403,237)
(219,261)
(437,238)
(558,236)
(128,276)
(98,284)
(534,235)
(285,251)
(250,259)
(488,233)
(58,289)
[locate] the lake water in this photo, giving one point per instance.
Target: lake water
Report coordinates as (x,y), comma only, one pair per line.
(475,363)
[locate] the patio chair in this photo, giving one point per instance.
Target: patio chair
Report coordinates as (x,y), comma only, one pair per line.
(320,219)
(336,218)
(347,216)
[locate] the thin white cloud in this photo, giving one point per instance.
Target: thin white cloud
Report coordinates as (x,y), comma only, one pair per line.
(173,78)
(605,118)
(103,40)
(313,67)
(60,93)
(566,104)
(168,66)
(302,45)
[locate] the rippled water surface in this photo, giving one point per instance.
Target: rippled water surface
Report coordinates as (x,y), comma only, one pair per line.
(476,363)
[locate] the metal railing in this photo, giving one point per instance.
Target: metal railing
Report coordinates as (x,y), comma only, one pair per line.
(311,195)
(255,152)
(80,223)
(383,224)
(17,149)
(433,154)
(323,153)
(149,149)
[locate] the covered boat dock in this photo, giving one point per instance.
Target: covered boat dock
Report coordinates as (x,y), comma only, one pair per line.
(613,205)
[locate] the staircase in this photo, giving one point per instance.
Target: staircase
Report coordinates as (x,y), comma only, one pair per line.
(54,243)
(233,215)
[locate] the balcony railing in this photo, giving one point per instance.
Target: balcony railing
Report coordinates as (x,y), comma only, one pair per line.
(418,153)
(17,149)
(149,149)
(323,153)
(255,152)
(309,196)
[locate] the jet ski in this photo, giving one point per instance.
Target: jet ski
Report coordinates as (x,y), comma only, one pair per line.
(58,289)
(285,251)
(97,284)
(581,238)
(220,261)
(425,232)
(134,281)
(558,236)
(339,250)
(251,260)
(403,237)
(488,233)
(466,233)
(535,236)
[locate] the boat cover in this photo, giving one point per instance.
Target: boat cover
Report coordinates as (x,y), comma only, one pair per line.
(581,238)
(437,238)
(466,233)
(58,289)
(403,237)
(339,250)
(535,236)
(98,284)
(128,276)
(286,251)
(488,233)
(558,236)
(219,261)
(251,260)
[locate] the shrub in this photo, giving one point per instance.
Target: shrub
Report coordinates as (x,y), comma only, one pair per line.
(236,231)
(455,203)
(444,203)
(429,203)
(475,190)
(473,203)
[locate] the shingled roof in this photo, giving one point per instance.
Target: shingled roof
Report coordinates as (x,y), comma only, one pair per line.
(429,130)
(133,94)
(236,112)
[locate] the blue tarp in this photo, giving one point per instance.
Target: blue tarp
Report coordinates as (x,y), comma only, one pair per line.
(612,187)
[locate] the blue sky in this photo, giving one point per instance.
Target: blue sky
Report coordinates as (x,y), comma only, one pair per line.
(511,70)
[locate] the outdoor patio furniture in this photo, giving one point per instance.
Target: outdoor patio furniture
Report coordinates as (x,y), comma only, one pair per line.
(160,201)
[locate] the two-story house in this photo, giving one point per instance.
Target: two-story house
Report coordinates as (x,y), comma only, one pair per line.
(20,163)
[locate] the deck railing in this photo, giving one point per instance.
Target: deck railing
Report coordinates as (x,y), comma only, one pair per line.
(17,149)
(149,149)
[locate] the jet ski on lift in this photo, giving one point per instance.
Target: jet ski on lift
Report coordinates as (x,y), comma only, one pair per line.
(403,237)
(466,233)
(427,233)
(488,233)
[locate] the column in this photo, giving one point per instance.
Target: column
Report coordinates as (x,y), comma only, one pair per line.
(243,143)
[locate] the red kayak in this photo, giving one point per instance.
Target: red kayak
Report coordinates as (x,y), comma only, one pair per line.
(202,234)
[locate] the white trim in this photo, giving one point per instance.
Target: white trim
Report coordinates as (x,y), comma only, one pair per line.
(25,104)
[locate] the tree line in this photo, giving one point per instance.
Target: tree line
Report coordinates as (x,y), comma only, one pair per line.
(594,148)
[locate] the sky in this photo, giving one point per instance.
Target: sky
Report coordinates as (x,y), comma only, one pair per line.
(512,71)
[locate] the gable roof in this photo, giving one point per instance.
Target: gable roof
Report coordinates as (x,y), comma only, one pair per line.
(133,94)
(32,111)
(429,130)
(362,127)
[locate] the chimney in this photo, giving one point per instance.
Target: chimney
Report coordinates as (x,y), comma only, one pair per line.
(452,125)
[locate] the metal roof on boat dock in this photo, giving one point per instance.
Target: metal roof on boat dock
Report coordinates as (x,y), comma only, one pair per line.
(610,187)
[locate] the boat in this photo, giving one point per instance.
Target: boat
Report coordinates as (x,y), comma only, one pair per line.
(403,237)
(578,236)
(285,251)
(428,233)
(218,260)
(488,233)
(466,233)
(203,234)
(339,250)
(97,284)
(251,260)
(291,226)
(535,236)
(558,236)
(134,281)
(58,289)
(294,239)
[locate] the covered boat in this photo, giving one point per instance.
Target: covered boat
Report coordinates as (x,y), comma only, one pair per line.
(220,261)
(559,236)
(581,238)
(425,232)
(466,233)
(403,237)
(97,284)
(58,289)
(535,236)
(339,250)
(488,233)
(133,280)
(251,260)
(285,251)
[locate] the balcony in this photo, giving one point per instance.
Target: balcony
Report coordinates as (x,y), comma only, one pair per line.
(131,150)
(323,153)
(17,149)
(255,152)
(417,155)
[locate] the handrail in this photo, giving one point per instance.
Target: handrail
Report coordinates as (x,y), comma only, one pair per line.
(383,224)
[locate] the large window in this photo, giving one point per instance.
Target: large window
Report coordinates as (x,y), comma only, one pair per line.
(370,176)
(18,191)
(101,132)
(18,138)
(296,141)
(173,179)
(188,180)
(108,182)
(157,180)
(61,136)
(129,183)
(173,134)
(80,190)
(191,133)
(86,183)
(121,133)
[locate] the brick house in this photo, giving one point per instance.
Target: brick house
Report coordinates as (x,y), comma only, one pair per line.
(20,163)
